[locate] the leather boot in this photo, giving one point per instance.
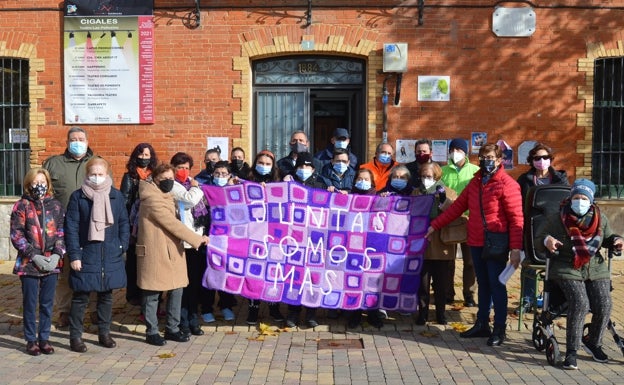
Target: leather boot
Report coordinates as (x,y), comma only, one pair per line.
(479,329)
(498,336)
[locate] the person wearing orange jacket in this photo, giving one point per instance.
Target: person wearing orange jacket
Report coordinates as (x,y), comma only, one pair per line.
(381,165)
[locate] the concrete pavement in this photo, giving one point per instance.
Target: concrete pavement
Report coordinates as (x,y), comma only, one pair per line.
(233,353)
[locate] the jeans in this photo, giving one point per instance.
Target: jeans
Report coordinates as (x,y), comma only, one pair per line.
(150,309)
(490,290)
(38,289)
(79,303)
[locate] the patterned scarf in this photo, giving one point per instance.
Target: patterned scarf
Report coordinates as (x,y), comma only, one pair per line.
(101,212)
(584,232)
(200,209)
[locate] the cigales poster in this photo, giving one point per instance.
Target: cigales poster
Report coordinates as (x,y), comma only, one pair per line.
(108,52)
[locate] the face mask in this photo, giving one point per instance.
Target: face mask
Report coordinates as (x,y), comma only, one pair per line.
(423,158)
(428,182)
(541,164)
(263,170)
(398,184)
(304,173)
(238,163)
(341,144)
(39,190)
(340,168)
(384,158)
(487,166)
(457,157)
(143,162)
(165,185)
(77,148)
(96,179)
(220,181)
(298,147)
(182,174)
(580,206)
(363,185)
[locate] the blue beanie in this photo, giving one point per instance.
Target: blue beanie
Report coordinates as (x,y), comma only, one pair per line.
(459,143)
(585,187)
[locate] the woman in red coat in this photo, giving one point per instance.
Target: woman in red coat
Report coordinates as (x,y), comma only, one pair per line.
(493,199)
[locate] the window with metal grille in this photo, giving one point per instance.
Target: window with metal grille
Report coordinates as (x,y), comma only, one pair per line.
(608,128)
(14,125)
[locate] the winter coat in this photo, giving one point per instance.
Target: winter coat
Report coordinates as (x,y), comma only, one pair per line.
(67,173)
(502,207)
(562,265)
(438,250)
(458,179)
(103,266)
(185,200)
(527,180)
(325,156)
(381,172)
(130,190)
(286,165)
(161,264)
(27,236)
(330,178)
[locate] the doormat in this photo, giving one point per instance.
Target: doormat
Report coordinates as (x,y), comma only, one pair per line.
(349,343)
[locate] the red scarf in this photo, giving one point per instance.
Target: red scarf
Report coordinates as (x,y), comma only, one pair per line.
(584,232)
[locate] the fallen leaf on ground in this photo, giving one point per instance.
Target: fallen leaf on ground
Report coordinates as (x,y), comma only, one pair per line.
(458,326)
(166,355)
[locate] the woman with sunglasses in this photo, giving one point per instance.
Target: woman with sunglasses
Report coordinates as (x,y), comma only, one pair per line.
(540,158)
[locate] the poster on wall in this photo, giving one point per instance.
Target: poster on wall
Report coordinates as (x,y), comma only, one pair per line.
(477,139)
(434,88)
(507,154)
(108,53)
(405,150)
(439,150)
(219,143)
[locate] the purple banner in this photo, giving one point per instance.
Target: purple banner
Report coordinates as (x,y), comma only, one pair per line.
(289,243)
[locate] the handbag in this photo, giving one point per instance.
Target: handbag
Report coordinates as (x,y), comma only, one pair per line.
(455,232)
(495,245)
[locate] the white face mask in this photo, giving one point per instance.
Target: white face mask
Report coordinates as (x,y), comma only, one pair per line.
(457,157)
(580,206)
(95,179)
(428,182)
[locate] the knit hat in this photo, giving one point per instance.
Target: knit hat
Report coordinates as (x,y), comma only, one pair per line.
(304,158)
(585,187)
(459,143)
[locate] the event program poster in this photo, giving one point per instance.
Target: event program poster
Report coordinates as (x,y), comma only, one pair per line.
(439,150)
(434,88)
(109,68)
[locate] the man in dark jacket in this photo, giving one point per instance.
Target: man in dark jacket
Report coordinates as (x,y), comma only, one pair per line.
(341,140)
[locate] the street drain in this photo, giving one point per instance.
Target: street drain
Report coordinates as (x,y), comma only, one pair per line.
(349,343)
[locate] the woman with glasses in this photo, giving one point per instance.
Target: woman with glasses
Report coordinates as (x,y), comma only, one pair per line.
(541,173)
(495,204)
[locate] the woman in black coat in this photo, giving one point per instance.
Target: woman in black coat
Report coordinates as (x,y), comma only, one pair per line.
(97,233)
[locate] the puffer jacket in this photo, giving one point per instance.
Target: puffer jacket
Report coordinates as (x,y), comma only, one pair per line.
(27,236)
(103,266)
(562,265)
(502,207)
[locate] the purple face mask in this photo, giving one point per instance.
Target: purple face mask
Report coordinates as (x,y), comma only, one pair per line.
(541,164)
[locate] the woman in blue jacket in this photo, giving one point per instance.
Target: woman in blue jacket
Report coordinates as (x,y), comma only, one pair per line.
(97,232)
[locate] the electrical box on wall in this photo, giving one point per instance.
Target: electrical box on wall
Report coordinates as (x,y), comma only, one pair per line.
(395,57)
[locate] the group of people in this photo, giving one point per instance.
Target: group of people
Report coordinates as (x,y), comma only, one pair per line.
(73,226)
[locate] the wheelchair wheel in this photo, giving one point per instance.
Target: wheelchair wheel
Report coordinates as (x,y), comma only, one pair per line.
(553,356)
(538,339)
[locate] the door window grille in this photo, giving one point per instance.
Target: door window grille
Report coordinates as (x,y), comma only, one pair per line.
(608,128)
(14,125)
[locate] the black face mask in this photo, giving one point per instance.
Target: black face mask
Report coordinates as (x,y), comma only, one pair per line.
(210,166)
(165,185)
(143,162)
(238,163)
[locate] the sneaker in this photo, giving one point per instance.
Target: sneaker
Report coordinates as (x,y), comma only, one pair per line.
(596,352)
(312,323)
(382,314)
(252,315)
(570,362)
(208,317)
(228,314)
(291,323)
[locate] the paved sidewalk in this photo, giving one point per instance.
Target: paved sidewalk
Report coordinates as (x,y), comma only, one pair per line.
(233,353)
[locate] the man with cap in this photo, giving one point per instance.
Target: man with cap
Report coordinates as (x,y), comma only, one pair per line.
(574,235)
(456,174)
(340,139)
(298,143)
(422,150)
